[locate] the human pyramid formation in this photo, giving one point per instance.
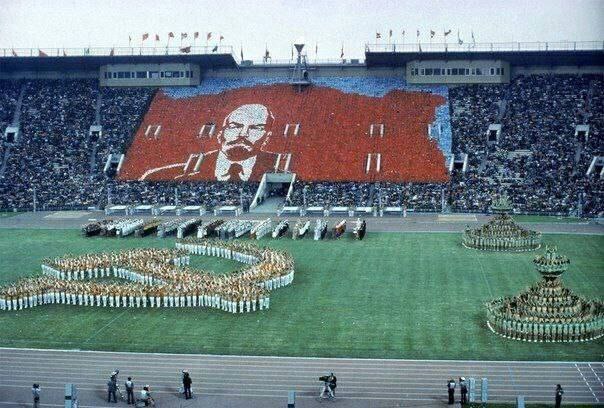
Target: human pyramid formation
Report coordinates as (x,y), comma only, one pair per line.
(547,311)
(501,234)
(560,317)
(156,278)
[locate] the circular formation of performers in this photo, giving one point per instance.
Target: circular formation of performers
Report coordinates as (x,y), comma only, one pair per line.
(152,277)
(547,311)
(501,234)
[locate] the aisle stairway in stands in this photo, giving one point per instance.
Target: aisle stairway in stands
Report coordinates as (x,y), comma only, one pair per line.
(270,205)
(95,144)
(16,123)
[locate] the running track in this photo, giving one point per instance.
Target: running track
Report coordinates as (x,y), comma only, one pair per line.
(240,381)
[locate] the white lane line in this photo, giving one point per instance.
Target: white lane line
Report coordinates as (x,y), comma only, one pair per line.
(35,362)
(587,383)
(456,362)
(538,378)
(542,381)
(288,382)
(597,376)
(167,363)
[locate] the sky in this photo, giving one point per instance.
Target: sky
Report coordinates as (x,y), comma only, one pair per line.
(326,26)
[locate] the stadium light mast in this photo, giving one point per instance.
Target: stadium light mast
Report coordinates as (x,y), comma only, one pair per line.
(300,74)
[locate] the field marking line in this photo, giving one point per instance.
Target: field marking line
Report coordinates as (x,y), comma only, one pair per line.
(587,383)
(105,326)
(243,357)
(596,374)
(485,276)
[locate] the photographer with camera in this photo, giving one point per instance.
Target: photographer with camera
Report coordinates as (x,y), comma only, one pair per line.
(146,397)
(329,386)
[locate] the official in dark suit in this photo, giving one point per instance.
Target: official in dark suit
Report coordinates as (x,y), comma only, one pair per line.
(186,383)
(244,133)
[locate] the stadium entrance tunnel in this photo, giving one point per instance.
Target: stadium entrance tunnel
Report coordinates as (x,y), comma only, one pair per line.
(157,278)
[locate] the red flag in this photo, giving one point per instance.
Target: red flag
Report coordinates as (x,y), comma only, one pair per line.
(196,35)
(208,36)
(186,50)
(14,53)
(112,52)
(42,53)
(183,35)
(171,34)
(156,37)
(221,38)
(145,36)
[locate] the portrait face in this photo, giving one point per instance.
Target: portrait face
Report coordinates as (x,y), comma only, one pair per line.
(244,131)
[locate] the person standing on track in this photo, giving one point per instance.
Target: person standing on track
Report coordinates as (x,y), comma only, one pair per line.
(451,391)
(463,388)
(111,388)
(130,390)
(186,383)
(559,393)
(35,390)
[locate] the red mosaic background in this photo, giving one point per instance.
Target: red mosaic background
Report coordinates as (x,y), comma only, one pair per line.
(334,132)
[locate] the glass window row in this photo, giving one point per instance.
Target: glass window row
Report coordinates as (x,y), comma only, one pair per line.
(147,74)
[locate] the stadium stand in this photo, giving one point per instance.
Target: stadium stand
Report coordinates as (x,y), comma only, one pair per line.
(536,159)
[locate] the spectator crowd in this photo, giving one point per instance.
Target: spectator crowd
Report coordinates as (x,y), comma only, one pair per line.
(537,160)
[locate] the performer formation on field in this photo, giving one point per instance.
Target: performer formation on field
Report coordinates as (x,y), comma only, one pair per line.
(156,278)
(501,233)
(547,311)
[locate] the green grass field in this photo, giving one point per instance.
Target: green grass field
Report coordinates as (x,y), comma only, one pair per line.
(393,295)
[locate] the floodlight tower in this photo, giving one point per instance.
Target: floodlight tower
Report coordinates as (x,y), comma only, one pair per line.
(300,75)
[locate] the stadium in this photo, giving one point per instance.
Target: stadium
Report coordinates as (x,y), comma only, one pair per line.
(427,212)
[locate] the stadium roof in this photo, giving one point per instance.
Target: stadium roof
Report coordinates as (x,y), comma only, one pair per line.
(83,59)
(540,53)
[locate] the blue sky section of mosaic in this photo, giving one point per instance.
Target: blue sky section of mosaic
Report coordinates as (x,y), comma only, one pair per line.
(369,86)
